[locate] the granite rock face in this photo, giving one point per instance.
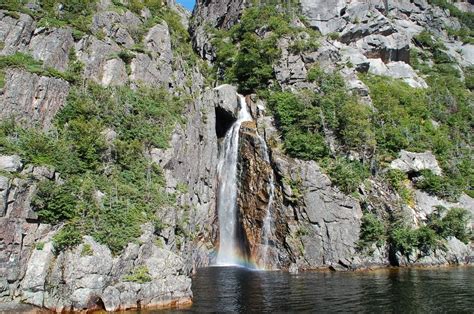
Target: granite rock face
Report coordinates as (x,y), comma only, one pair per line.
(415,162)
(31,99)
(314,225)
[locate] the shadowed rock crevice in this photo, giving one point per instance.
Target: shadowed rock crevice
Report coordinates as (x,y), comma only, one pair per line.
(224,121)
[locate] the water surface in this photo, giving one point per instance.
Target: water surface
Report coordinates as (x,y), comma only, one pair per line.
(224,289)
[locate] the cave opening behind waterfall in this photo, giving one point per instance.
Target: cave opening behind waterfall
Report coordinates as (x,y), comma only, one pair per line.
(224,121)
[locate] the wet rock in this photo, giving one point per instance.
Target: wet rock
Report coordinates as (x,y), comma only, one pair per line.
(415,162)
(32,99)
(256,175)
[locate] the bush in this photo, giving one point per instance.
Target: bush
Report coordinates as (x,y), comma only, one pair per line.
(139,275)
(454,223)
(87,250)
(243,56)
(347,175)
(55,203)
(443,187)
(372,230)
(397,180)
(403,239)
(68,237)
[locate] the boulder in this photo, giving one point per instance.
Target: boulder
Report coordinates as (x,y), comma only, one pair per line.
(33,284)
(158,40)
(326,16)
(4,186)
(415,162)
(52,47)
(150,72)
(227,101)
(395,47)
(114,73)
(10,163)
(96,55)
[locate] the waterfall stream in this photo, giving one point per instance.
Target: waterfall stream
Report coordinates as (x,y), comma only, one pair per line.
(267,222)
(227,193)
(227,207)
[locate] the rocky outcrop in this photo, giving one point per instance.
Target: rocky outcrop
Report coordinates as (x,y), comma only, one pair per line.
(214,13)
(256,200)
(52,47)
(415,162)
(326,16)
(32,100)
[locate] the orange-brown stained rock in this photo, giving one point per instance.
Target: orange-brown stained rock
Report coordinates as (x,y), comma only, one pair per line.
(253,198)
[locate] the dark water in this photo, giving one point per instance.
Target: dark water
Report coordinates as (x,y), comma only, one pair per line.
(393,291)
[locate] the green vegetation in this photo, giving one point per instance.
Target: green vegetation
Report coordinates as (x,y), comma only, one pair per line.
(346,174)
(304,120)
(466,32)
(139,275)
(245,58)
(132,185)
(68,237)
(39,246)
(451,222)
(372,230)
(398,181)
(87,250)
(24,61)
(441,224)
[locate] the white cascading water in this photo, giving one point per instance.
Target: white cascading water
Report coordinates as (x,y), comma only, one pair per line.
(227,193)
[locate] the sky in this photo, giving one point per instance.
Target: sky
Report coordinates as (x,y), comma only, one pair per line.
(188,4)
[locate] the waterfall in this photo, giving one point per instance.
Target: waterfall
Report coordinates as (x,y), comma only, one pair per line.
(227,193)
(229,245)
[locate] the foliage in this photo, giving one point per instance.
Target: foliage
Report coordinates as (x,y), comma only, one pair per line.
(130,185)
(28,63)
(439,226)
(39,246)
(346,174)
(55,202)
(140,274)
(398,182)
(444,187)
(87,250)
(438,119)
(451,223)
(245,56)
(372,230)
(68,237)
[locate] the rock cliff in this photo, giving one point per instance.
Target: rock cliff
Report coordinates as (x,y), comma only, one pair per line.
(314,223)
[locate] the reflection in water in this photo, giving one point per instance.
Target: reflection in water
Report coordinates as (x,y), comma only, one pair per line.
(224,289)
